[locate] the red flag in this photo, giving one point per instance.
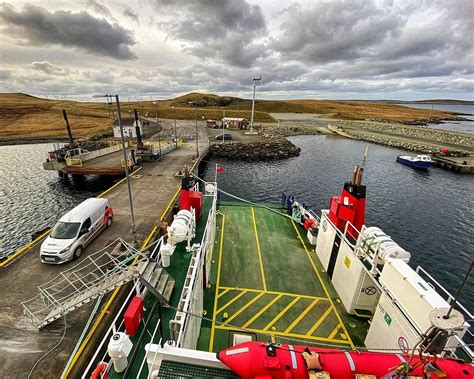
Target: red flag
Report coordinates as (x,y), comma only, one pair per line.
(220,169)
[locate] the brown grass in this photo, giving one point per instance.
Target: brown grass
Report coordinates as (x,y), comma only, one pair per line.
(23,116)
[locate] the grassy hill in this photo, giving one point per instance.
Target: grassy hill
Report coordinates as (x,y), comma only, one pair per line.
(26,117)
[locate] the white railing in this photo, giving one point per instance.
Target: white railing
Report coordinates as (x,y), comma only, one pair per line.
(187,327)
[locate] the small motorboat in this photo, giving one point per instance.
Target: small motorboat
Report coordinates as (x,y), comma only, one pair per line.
(422,162)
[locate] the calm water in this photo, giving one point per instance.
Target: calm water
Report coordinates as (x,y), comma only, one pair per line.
(32,199)
(431,215)
(455,126)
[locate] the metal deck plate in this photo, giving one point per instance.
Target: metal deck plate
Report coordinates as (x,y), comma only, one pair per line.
(177,370)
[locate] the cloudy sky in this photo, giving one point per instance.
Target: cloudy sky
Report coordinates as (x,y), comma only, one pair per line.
(327,49)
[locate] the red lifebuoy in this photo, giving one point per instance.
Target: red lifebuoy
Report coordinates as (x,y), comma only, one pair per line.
(52,156)
(100,371)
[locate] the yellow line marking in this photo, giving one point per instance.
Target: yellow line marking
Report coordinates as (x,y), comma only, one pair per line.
(323,285)
(275,293)
(301,316)
(224,292)
(119,182)
(231,302)
(262,310)
(173,199)
(24,249)
(244,307)
(213,326)
(334,332)
(258,250)
(281,314)
(104,311)
(282,334)
(320,321)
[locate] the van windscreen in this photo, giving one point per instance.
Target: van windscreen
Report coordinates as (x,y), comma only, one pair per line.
(65,230)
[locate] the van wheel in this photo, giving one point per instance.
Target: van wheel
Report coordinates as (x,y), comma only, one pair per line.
(110,221)
(77,252)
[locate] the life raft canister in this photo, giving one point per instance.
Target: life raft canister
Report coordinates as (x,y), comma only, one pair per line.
(100,371)
(252,360)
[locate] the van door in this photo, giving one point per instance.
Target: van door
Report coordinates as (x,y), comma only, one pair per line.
(86,231)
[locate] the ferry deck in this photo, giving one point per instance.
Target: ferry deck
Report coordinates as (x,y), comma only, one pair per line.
(266,284)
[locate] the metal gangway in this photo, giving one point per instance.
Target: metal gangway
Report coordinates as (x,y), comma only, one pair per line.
(113,266)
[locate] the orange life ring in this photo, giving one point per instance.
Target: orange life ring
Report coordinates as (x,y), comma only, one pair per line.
(100,371)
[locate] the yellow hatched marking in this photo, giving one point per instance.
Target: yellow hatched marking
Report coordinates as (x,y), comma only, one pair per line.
(244,307)
(319,322)
(259,251)
(282,334)
(281,314)
(301,316)
(275,293)
(262,310)
(223,292)
(322,284)
(231,301)
(211,339)
(334,332)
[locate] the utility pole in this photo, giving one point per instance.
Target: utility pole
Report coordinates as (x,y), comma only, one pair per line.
(256,80)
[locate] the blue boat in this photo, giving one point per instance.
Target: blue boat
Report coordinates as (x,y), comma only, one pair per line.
(422,162)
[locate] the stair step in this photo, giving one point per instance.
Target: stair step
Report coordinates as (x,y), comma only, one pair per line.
(162,283)
(168,289)
(155,277)
(149,270)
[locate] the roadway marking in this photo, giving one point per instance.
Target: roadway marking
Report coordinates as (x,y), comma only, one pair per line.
(275,293)
(301,316)
(283,334)
(334,332)
(258,250)
(259,313)
(213,326)
(231,301)
(244,307)
(320,321)
(322,283)
(282,313)
(223,292)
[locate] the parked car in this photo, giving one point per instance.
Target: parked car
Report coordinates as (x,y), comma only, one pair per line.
(223,136)
(75,230)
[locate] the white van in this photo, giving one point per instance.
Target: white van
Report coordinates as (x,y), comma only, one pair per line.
(75,230)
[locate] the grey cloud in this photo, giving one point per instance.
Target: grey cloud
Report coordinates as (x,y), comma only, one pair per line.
(230,29)
(335,31)
(130,13)
(99,8)
(37,26)
(49,69)
(5,74)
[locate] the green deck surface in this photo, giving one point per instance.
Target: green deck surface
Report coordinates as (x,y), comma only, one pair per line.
(266,281)
(270,284)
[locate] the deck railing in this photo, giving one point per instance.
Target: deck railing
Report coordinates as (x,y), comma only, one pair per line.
(185,328)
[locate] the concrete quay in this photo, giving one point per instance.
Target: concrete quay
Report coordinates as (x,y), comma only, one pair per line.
(153,189)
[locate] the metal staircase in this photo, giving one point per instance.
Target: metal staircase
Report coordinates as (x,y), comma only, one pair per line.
(158,282)
(94,276)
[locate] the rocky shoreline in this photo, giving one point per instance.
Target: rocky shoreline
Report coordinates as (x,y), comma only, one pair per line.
(276,148)
(420,139)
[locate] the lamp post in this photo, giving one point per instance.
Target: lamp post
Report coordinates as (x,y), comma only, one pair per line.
(134,231)
(158,126)
(175,133)
(256,80)
(196,127)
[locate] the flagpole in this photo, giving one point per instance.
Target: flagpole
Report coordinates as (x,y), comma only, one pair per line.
(215,178)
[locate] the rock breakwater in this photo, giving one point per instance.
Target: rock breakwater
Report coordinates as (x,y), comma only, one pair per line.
(257,151)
